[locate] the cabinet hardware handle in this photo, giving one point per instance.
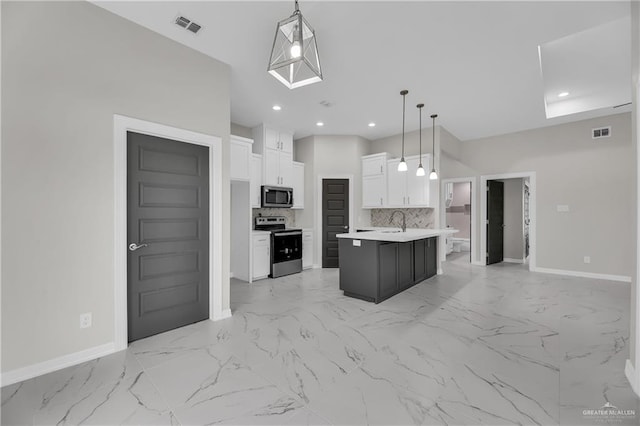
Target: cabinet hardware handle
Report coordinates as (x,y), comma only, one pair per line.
(408,200)
(380,200)
(380,168)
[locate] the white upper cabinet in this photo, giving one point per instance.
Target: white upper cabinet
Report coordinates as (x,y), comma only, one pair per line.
(276,147)
(374,181)
(405,188)
(374,165)
(256,180)
(298,185)
(240,158)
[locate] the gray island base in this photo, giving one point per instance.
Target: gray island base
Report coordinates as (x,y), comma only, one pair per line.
(379,264)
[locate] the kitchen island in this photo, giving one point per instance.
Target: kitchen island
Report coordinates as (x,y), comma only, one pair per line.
(375,265)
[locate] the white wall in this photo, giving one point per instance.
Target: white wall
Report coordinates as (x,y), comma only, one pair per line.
(242,131)
(64,75)
(330,156)
(513,218)
(595,178)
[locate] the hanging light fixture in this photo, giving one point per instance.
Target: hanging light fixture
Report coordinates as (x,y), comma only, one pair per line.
(433,175)
(294,56)
(420,171)
(402,166)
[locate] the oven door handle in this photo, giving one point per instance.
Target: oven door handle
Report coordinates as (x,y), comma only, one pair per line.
(287,234)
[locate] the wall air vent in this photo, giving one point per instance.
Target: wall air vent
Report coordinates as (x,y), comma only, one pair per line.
(187,24)
(601,132)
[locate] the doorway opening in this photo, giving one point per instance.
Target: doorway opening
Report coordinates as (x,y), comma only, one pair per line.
(458,211)
(457,199)
(508,223)
(123,125)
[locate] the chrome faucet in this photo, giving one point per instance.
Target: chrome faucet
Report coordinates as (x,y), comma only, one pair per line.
(404,219)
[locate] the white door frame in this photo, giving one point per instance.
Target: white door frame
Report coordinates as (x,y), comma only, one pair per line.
(443,211)
(121,125)
(318,219)
(532,213)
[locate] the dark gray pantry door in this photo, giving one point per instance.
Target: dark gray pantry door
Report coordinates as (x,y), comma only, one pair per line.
(168,219)
(335,218)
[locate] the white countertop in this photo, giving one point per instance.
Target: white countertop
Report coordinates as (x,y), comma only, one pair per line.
(396,235)
(254,232)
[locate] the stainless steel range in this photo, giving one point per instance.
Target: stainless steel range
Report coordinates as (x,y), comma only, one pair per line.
(286,245)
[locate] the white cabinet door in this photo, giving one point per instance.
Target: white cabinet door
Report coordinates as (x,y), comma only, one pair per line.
(271,172)
(286,142)
(256,180)
(261,256)
(240,159)
(373,166)
(286,169)
(271,138)
(416,185)
(298,185)
(307,249)
(374,191)
(396,185)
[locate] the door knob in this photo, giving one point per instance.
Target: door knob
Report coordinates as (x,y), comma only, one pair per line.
(134,246)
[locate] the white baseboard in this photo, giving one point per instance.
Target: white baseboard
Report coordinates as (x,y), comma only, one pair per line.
(475,262)
(510,260)
(34,370)
(632,376)
(620,278)
(226,313)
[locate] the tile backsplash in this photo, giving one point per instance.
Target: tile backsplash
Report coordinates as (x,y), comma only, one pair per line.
(287,213)
(416,218)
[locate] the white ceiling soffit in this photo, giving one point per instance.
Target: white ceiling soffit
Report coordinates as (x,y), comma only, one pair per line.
(473,63)
(588,70)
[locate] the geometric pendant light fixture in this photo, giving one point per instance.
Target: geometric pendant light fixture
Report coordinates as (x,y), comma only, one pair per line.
(402,165)
(433,175)
(420,171)
(294,56)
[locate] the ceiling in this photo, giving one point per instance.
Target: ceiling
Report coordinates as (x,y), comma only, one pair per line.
(475,64)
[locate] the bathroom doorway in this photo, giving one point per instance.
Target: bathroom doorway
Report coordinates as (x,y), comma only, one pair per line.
(459,213)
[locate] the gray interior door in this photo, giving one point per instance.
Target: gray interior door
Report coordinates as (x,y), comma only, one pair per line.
(495,221)
(168,218)
(335,218)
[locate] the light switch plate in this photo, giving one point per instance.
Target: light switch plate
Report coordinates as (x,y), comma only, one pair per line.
(356,243)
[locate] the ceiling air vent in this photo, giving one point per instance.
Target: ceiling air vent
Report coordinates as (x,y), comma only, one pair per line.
(187,24)
(601,132)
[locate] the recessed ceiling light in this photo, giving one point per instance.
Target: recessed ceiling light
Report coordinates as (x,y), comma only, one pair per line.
(372,124)
(563,94)
(319,124)
(277,107)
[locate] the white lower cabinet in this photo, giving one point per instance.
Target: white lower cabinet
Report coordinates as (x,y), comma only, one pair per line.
(261,255)
(307,249)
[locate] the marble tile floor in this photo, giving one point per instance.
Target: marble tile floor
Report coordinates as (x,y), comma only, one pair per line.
(475,346)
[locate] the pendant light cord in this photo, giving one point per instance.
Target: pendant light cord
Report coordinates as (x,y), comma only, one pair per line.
(420,109)
(433,147)
(404,94)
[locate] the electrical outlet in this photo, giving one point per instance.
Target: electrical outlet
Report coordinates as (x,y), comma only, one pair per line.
(587,259)
(85,320)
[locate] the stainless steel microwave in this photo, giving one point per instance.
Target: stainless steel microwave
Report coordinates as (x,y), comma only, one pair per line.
(276,196)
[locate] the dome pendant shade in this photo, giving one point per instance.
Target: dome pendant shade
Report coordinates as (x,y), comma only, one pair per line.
(433,175)
(294,57)
(402,165)
(420,171)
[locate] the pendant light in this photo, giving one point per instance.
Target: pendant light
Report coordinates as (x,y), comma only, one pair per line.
(294,57)
(420,171)
(433,175)
(402,166)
